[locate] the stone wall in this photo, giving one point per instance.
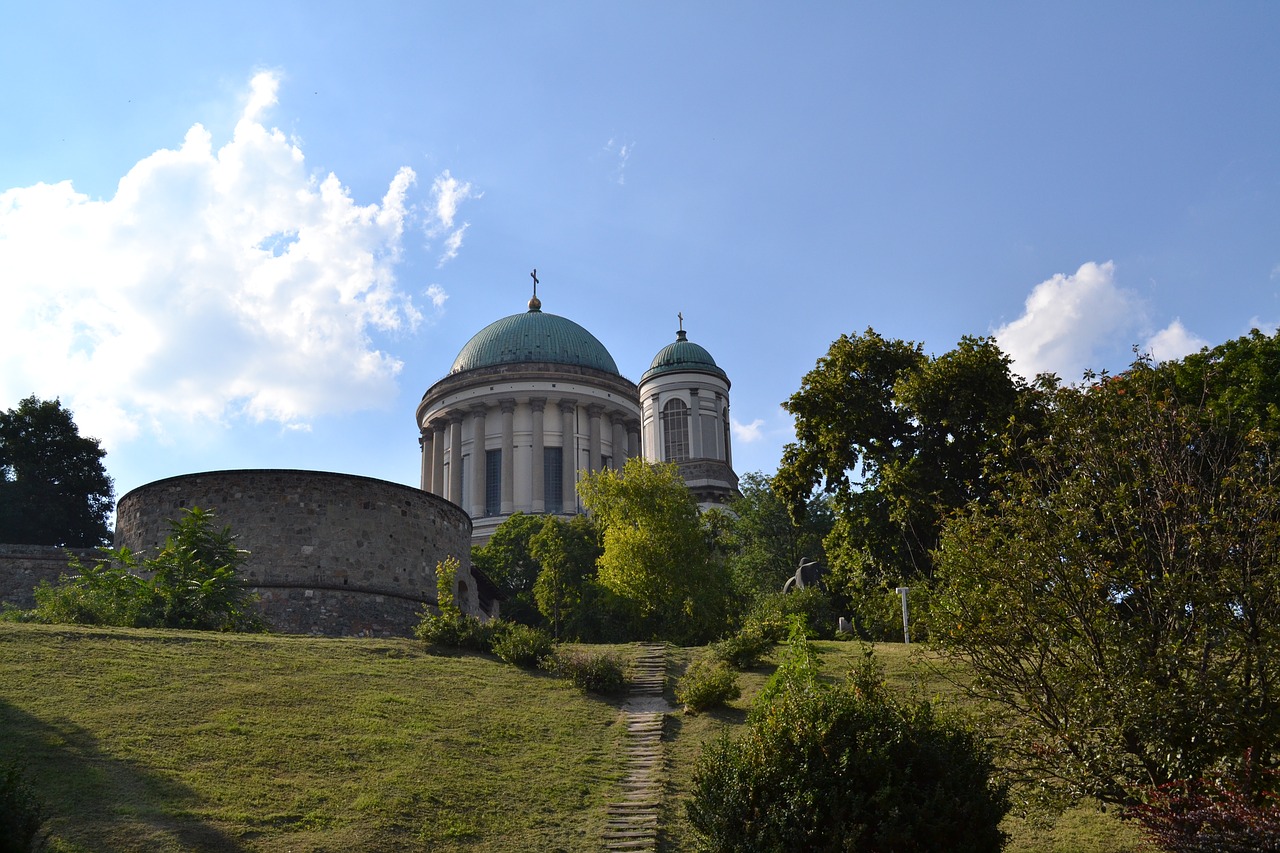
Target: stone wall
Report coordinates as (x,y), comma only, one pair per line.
(22,567)
(332,554)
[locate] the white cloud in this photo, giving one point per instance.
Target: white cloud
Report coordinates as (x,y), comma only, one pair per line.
(437,296)
(447,193)
(1173,342)
(622,152)
(215,283)
(1067,319)
(747,433)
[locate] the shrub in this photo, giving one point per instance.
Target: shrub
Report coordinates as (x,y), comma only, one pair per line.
(744,649)
(845,767)
(1227,813)
(707,683)
(458,631)
(773,613)
(21,813)
(523,646)
(595,672)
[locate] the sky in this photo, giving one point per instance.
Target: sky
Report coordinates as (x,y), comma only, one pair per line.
(252,235)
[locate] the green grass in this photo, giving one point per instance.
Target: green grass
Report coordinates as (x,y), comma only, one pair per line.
(171,740)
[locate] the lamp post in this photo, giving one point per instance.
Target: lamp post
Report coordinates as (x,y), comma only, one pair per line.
(906,634)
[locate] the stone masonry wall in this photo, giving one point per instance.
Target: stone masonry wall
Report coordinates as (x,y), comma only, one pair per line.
(22,567)
(332,554)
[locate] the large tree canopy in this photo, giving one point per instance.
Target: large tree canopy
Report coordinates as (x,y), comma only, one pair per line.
(657,554)
(764,544)
(1119,591)
(898,439)
(54,489)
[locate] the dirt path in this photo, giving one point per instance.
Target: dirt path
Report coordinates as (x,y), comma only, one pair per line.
(633,819)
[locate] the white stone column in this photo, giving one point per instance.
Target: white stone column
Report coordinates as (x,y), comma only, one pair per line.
(508,455)
(619,442)
(424,447)
(569,479)
(478,414)
(437,462)
(595,410)
(455,461)
(539,502)
(695,425)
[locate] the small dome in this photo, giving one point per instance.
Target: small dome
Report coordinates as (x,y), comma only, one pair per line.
(532,337)
(681,356)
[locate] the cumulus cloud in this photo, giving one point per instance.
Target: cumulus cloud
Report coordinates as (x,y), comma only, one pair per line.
(747,433)
(217,282)
(1067,319)
(1173,342)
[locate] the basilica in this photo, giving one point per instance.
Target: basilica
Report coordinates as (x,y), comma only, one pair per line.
(534,401)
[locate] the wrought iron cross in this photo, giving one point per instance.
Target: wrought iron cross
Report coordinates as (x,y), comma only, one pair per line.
(535,281)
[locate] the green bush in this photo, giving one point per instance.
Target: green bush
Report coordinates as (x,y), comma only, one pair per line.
(456,630)
(594,672)
(877,615)
(846,767)
(744,649)
(21,812)
(707,683)
(523,646)
(773,613)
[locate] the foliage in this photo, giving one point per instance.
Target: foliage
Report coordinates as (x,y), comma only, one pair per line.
(592,671)
(522,645)
(1233,813)
(457,630)
(506,559)
(656,554)
(446,582)
(707,683)
(54,489)
(564,591)
(190,583)
(21,812)
(812,604)
(764,544)
(877,614)
(898,439)
(1120,593)
(845,767)
(744,648)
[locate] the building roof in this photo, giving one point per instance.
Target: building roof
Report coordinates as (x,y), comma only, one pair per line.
(682,356)
(534,337)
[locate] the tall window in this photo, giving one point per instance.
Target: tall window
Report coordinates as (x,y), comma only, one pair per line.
(675,431)
(553,478)
(492,482)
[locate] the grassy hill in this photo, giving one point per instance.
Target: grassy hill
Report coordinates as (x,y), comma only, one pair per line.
(171,740)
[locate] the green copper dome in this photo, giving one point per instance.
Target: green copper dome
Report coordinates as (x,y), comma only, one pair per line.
(534,336)
(683,355)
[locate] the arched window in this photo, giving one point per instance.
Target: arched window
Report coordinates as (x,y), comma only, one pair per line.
(675,431)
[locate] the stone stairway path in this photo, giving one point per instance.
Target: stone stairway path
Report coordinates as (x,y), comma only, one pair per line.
(633,819)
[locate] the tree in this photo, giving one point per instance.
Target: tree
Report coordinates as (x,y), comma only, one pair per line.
(898,440)
(657,555)
(1118,594)
(506,559)
(764,544)
(565,589)
(53,487)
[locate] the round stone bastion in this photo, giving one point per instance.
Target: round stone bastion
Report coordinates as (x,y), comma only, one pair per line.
(330,554)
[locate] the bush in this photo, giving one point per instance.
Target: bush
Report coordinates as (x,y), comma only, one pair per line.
(845,767)
(458,631)
(773,613)
(744,649)
(1228,813)
(21,813)
(522,645)
(707,683)
(595,672)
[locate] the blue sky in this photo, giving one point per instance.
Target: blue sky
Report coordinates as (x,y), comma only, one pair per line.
(251,235)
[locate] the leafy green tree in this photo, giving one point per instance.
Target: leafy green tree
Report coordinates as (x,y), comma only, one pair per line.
(898,440)
(506,559)
(1118,594)
(764,545)
(657,555)
(54,489)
